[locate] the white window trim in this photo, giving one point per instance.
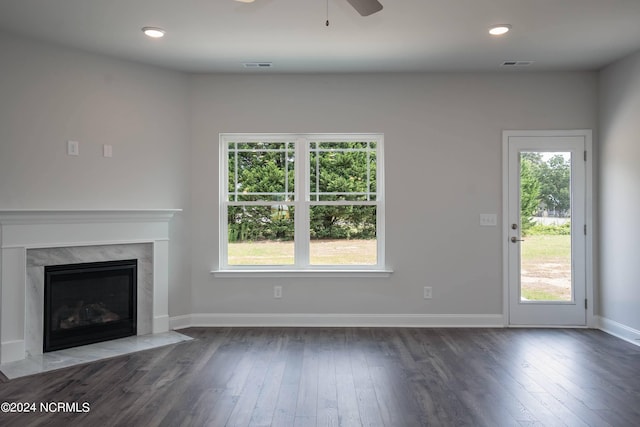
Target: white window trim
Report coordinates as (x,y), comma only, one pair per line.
(303,269)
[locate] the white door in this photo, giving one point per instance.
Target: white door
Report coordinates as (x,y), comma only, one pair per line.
(545,228)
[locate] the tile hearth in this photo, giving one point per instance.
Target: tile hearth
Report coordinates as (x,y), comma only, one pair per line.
(36,364)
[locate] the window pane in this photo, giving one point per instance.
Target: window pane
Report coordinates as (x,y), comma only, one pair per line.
(260,196)
(349,170)
(343,235)
(261,171)
(260,235)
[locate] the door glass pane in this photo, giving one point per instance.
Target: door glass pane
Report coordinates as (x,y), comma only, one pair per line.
(545,227)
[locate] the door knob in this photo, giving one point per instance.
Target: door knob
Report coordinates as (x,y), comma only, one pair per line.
(515,239)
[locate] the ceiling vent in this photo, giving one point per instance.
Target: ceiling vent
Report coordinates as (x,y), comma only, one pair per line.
(257,65)
(517,63)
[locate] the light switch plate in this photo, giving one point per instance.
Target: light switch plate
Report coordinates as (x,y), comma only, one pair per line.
(73,148)
(488,220)
(107,150)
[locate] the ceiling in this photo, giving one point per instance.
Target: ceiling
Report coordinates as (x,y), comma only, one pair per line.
(206,36)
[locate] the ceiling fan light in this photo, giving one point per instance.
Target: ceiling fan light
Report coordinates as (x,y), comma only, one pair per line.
(498,30)
(153,32)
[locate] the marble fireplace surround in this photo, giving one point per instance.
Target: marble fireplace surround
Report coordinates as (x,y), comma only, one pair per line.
(31,239)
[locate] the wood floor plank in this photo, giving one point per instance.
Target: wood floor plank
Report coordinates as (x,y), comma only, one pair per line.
(327,403)
(285,409)
(284,413)
(307,402)
(262,351)
(365,391)
(266,404)
(348,412)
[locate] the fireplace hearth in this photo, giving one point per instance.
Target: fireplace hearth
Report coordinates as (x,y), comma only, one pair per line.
(89,302)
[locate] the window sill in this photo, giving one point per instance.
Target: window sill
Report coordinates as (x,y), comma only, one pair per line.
(301,273)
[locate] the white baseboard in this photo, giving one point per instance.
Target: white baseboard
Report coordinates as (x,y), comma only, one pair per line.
(619,330)
(180,322)
(161,324)
(338,320)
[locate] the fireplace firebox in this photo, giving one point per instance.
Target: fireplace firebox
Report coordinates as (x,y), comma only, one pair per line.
(89,302)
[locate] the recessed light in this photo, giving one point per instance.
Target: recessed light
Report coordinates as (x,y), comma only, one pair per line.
(153,32)
(498,30)
(245,1)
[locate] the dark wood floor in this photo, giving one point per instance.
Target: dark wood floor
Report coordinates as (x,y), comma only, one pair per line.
(350,377)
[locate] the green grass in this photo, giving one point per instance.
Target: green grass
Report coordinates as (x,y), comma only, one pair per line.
(546,247)
(546,268)
(261,253)
(546,260)
(533,294)
(322,252)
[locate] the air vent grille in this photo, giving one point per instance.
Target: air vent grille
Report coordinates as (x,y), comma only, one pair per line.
(258,65)
(517,63)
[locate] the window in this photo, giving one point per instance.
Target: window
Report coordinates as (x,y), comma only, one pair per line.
(302,202)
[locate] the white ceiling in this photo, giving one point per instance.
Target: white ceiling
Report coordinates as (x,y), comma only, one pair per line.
(407,35)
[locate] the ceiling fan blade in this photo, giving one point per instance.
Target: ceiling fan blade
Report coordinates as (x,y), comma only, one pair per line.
(366,7)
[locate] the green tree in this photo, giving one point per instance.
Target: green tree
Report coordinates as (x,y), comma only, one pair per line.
(555,183)
(344,173)
(340,171)
(554,176)
(529,193)
(261,168)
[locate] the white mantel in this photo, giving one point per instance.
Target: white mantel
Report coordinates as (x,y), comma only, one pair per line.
(21,230)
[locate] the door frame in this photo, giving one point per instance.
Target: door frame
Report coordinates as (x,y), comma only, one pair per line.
(589,216)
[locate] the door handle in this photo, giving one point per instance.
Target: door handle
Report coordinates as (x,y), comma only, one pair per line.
(515,239)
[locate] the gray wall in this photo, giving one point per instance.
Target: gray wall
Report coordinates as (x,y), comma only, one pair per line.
(443,164)
(443,168)
(49,95)
(620,192)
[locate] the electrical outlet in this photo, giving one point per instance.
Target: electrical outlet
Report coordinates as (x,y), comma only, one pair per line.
(427,292)
(277,291)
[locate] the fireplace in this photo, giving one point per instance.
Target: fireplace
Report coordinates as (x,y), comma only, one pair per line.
(31,240)
(89,302)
